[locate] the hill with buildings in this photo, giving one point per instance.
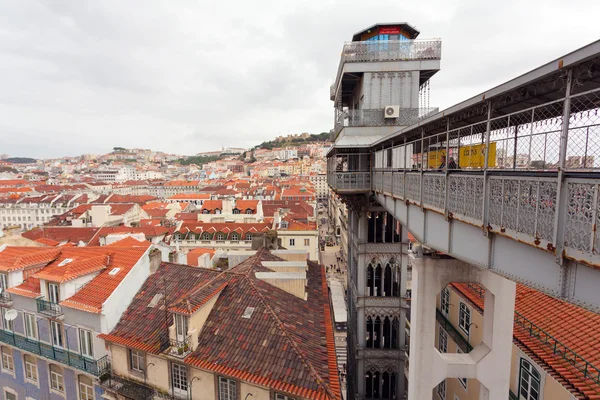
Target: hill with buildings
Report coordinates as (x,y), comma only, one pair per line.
(294,140)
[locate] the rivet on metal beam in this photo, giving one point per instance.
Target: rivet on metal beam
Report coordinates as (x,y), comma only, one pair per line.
(560,64)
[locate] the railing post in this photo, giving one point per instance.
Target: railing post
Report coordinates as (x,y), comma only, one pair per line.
(446,174)
(422,174)
(561,190)
(486,190)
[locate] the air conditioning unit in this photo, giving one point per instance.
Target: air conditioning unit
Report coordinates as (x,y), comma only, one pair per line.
(392,111)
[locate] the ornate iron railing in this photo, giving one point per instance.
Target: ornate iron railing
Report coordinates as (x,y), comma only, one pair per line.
(581,364)
(48,308)
(95,367)
(181,348)
(460,341)
(389,50)
(355,181)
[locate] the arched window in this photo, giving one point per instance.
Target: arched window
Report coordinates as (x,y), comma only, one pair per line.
(378,288)
(387,280)
(387,333)
(369,333)
(370,281)
(86,388)
(529,381)
(372,385)
(377,333)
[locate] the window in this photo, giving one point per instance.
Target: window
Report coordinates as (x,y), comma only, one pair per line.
(3,282)
(235,236)
(56,329)
(236,211)
(248,236)
(249,211)
(445,301)
(443,341)
(181,327)
(136,360)
(206,236)
(53,292)
(9,395)
(6,324)
(529,381)
(86,342)
(307,242)
(441,389)
(30,326)
(179,379)
(463,381)
(227,389)
(220,236)
(279,396)
(292,242)
(205,211)
(56,378)
(464,318)
(86,388)
(31,372)
(7,359)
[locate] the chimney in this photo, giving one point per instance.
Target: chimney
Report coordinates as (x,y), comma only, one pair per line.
(155,260)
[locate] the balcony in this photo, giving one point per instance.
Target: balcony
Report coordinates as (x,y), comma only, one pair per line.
(376,117)
(389,50)
(350,181)
(181,348)
(5,298)
(48,308)
(97,368)
(460,341)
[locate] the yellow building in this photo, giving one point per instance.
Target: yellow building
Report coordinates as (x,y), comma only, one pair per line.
(261,329)
(555,349)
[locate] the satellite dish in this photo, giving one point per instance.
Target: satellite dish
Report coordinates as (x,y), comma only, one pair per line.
(10,315)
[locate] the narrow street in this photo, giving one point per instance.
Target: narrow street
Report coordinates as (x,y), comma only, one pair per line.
(329,258)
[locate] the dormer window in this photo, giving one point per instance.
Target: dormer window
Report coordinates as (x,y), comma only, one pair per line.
(53,293)
(236,211)
(206,236)
(235,236)
(220,236)
(205,211)
(217,211)
(249,211)
(181,327)
(284,224)
(248,236)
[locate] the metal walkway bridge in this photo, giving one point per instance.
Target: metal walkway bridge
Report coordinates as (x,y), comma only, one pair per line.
(507,180)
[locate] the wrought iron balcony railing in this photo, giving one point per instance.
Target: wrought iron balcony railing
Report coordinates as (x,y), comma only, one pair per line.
(460,341)
(350,181)
(48,308)
(389,50)
(181,348)
(95,367)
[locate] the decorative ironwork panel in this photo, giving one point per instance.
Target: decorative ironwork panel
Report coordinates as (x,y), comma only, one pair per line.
(496,201)
(528,203)
(434,190)
(466,196)
(413,186)
(546,210)
(398,189)
(579,220)
(510,201)
(387,182)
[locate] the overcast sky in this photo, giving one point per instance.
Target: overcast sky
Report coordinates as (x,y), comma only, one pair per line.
(184,76)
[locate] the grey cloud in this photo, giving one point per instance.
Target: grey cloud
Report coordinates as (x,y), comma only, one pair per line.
(186,76)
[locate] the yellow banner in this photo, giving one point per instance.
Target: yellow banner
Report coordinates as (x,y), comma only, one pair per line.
(470,156)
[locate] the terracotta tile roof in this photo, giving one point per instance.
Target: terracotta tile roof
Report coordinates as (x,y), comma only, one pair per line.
(47,242)
(157,213)
(573,326)
(246,204)
(182,183)
(191,196)
(74,269)
(212,205)
(123,254)
(14,258)
(138,199)
(146,328)
(287,344)
(62,234)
